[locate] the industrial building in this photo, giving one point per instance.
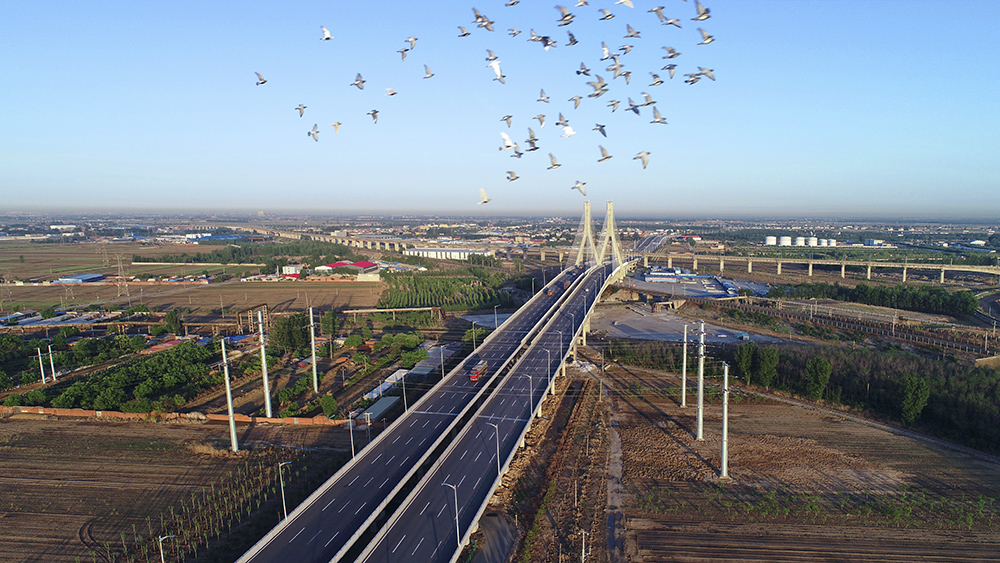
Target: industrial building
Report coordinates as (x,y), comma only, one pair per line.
(80,278)
(446,253)
(798,241)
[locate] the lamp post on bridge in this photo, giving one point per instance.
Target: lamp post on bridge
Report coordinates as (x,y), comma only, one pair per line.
(548,370)
(458,534)
(531,389)
(281,481)
(497,428)
(161,538)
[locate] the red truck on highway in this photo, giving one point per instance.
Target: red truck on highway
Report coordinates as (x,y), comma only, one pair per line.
(478,370)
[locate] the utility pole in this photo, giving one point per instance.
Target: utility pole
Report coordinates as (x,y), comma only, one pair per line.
(312,337)
(263,367)
(684,370)
(701,383)
(41,366)
(52,364)
(724,473)
(229,399)
(350,428)
(281,480)
(583,545)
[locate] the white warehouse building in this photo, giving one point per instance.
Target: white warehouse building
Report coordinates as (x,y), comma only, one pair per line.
(446,253)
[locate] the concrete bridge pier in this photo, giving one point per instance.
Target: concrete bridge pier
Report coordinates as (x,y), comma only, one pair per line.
(722,265)
(645,261)
(843,270)
(904,274)
(942,275)
(694,264)
(670,261)
(541,254)
(560,257)
(749,266)
(779,268)
(868,276)
(810,268)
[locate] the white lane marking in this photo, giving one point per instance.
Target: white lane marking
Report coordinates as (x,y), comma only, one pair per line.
(436,549)
(374,460)
(356,477)
(397,439)
(297,535)
(479,434)
(314,537)
(329,503)
(360,507)
(416,548)
(412,423)
(388,461)
(424,508)
(370,479)
(343,507)
(403,462)
(477,483)
(334,536)
(460,482)
(463,455)
(477,457)
(443,506)
(384,482)
(399,542)
(426,422)
(408,441)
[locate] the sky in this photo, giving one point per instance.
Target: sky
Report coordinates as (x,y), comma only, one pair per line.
(820,108)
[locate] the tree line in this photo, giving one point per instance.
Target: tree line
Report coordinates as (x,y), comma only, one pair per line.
(470,288)
(926,299)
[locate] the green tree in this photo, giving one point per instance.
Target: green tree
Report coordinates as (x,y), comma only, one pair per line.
(745,355)
(289,333)
(48,313)
(818,371)
(367,333)
(353,341)
(328,323)
(915,392)
(766,363)
(172,322)
(328,404)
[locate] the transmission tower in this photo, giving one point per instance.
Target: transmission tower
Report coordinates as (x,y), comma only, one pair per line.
(122,281)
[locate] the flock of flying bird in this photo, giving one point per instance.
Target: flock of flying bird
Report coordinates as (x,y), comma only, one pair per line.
(599,86)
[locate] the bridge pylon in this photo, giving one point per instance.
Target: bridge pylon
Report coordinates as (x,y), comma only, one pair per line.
(609,247)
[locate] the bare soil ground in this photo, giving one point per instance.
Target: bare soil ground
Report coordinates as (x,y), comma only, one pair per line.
(69,487)
(805,483)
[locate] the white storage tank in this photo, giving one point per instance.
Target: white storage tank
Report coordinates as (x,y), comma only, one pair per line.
(824,242)
(812,241)
(800,241)
(770,241)
(832,242)
(785,241)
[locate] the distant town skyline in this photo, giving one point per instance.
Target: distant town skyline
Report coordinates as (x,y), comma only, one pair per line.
(822,109)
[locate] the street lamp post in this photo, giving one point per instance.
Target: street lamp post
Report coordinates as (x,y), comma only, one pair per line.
(497,428)
(458,534)
(312,338)
(281,481)
(368,426)
(229,399)
(263,366)
(496,324)
(548,369)
(350,428)
(531,400)
(473,335)
(162,559)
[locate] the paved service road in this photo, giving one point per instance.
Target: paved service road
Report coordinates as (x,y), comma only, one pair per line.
(331,519)
(425,529)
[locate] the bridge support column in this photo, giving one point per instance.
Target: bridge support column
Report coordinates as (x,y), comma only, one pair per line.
(670,261)
(904,274)
(645,261)
(541,253)
(694,264)
(722,265)
(560,257)
(868,276)
(779,268)
(583,333)
(749,266)
(810,269)
(843,271)
(942,275)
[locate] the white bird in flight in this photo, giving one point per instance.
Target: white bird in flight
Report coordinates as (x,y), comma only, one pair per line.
(631,32)
(302,109)
(626,2)
(708,73)
(495,65)
(644,157)
(705,37)
(543,98)
(336,127)
(600,129)
(463,33)
(390,92)
(507,142)
(672,21)
(554,163)
(260,79)
(507,118)
(658,10)
(326,34)
(511,176)
(607,14)
(671,53)
(314,133)
(604,154)
(482,197)
(427,72)
(580,186)
(702,12)
(657,118)
(374,114)
(576,101)
(541,119)
(567,131)
(412,41)
(513,32)
(359,82)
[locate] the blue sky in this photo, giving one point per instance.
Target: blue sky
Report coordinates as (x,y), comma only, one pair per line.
(820,108)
